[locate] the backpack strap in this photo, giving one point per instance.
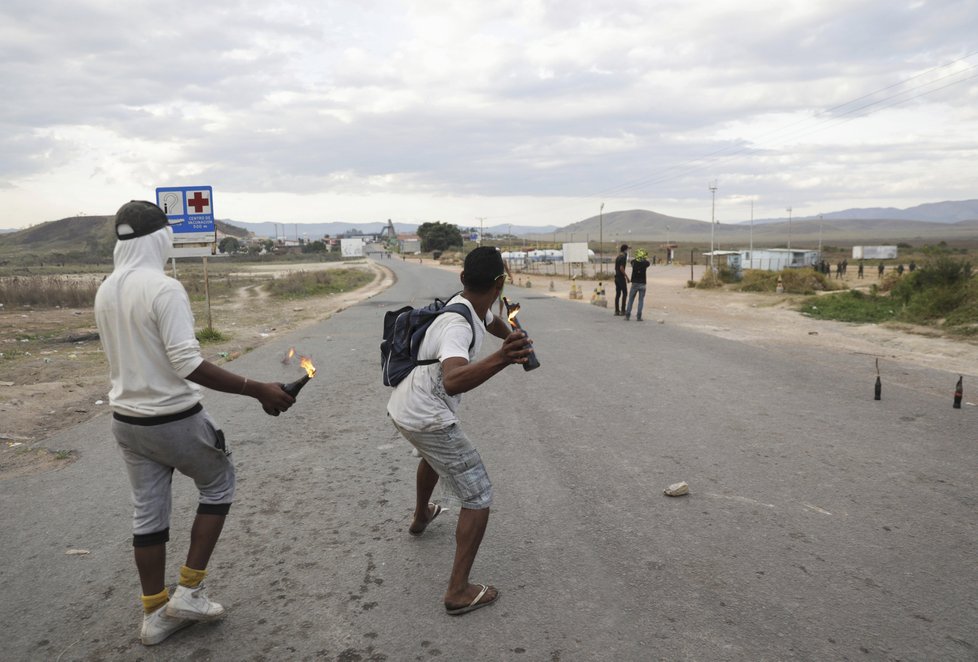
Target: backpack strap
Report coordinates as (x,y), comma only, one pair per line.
(458,308)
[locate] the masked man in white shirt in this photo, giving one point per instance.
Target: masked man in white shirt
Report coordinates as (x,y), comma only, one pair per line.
(423,408)
(147,331)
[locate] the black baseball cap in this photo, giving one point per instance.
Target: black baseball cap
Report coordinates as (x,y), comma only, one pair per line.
(138,218)
(624,247)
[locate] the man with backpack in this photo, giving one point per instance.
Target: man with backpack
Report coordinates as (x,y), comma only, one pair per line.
(423,408)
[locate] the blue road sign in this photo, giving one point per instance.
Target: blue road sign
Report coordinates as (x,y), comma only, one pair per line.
(190,210)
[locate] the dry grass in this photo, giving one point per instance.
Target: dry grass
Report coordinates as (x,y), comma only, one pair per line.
(48,292)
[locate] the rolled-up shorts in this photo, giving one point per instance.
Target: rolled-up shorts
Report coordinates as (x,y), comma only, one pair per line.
(458,464)
(194,446)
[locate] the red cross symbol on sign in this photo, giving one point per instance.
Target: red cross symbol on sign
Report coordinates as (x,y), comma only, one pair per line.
(198,202)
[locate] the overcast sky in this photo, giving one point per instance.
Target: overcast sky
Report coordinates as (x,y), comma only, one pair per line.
(527,112)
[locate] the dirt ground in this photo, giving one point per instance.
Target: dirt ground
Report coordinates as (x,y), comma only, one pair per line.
(771,319)
(53,373)
(64,380)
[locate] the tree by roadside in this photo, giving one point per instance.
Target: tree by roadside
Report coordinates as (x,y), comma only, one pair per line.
(439,236)
(229,245)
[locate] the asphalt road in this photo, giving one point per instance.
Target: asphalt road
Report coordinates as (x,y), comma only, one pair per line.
(821,525)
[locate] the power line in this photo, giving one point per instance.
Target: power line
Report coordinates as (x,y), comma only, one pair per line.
(728,154)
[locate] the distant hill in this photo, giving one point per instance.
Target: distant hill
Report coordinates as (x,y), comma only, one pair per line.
(650,227)
(77,235)
(334,228)
(67,235)
(84,237)
(274,230)
(931,212)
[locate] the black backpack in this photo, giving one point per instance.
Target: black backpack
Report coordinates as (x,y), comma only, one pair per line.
(404,329)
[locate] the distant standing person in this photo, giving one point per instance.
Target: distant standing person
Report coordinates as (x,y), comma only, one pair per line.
(859,271)
(621,280)
(147,333)
(879,271)
(639,266)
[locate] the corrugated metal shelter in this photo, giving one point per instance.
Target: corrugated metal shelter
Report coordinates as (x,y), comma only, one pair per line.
(778,259)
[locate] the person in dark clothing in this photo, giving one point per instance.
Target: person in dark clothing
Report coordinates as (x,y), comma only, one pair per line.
(639,266)
(621,280)
(880,269)
(859,273)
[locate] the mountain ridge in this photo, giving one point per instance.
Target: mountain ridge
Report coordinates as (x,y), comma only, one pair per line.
(94,234)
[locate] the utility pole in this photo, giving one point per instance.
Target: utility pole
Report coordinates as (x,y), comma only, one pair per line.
(752,233)
(601,238)
(481,220)
(713,217)
(789,229)
(819,236)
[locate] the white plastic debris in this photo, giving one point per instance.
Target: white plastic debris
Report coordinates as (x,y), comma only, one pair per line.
(677,489)
(76,552)
(100,402)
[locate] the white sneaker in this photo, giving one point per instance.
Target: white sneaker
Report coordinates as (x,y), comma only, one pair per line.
(157,626)
(192,603)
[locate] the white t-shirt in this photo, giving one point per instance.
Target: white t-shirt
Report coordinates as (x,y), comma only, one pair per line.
(419,402)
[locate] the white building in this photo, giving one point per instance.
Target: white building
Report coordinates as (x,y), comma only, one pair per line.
(777,259)
(351,247)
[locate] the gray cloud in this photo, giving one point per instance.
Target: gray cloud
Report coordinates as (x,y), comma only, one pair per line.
(508,99)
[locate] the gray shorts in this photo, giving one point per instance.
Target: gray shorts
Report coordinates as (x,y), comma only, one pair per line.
(152,452)
(458,464)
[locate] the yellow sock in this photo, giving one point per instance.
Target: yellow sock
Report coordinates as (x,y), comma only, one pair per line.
(191,578)
(153,602)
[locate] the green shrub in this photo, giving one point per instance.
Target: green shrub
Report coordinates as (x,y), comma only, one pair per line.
(942,292)
(850,306)
(795,281)
(301,284)
(210,335)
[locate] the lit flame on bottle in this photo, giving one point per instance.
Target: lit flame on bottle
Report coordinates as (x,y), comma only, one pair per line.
(306,363)
(511,310)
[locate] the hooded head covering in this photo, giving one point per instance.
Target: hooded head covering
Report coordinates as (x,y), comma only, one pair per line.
(148,251)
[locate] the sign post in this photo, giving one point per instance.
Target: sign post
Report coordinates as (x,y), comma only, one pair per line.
(190,210)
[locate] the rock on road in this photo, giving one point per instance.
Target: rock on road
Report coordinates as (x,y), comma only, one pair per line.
(820,525)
